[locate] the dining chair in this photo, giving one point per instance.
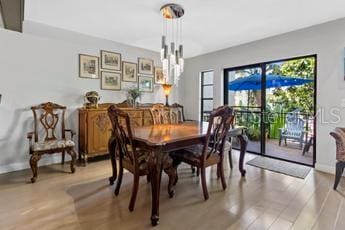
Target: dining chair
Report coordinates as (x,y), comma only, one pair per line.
(339,136)
(132,158)
(160,115)
(49,135)
(177,113)
(211,152)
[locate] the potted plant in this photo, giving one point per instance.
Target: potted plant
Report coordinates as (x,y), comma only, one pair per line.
(133,94)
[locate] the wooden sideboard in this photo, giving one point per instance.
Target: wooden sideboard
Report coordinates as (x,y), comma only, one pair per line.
(95,128)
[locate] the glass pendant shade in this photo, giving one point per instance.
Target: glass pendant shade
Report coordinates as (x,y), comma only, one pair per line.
(171,43)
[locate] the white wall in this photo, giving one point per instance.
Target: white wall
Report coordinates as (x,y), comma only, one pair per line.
(326,40)
(41,65)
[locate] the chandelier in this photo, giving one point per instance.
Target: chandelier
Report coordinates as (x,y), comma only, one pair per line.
(172,48)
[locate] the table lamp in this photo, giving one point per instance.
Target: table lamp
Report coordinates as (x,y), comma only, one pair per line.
(167,89)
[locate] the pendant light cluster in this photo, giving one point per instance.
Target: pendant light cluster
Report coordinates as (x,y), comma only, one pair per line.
(172,48)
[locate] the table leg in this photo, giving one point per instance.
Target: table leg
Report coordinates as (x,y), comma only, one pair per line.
(112,153)
(155,167)
(243,143)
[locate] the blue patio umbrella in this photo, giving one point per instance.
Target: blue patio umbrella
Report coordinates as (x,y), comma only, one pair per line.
(253,82)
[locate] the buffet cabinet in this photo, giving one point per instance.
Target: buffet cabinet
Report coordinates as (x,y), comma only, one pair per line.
(95,128)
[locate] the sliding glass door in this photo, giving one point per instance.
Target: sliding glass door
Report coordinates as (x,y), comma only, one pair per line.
(244,94)
(276,102)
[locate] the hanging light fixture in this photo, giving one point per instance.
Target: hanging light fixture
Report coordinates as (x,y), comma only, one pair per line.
(172,48)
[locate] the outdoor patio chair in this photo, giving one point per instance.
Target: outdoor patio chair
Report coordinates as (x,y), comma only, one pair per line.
(294,129)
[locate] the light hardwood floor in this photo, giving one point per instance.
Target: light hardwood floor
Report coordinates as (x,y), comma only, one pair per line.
(84,200)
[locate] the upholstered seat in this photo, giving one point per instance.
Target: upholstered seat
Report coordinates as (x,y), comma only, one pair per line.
(192,154)
(51,145)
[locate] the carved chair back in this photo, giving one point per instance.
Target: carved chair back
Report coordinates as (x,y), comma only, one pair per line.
(122,133)
(339,136)
(180,111)
(176,113)
(160,115)
(219,124)
(48,116)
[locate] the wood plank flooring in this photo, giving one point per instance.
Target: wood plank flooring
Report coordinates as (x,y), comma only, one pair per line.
(84,200)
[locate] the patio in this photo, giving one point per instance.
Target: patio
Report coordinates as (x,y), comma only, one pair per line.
(289,152)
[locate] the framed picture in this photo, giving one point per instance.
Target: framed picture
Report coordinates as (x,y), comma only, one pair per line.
(110,60)
(110,80)
(145,84)
(159,76)
(129,72)
(88,66)
(145,66)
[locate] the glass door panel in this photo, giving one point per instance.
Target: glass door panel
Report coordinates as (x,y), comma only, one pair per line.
(244,94)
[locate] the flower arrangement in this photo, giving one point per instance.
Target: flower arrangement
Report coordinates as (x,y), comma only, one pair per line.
(133,94)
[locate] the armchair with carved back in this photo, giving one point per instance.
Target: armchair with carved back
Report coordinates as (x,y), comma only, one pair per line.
(339,135)
(49,118)
(211,152)
(132,158)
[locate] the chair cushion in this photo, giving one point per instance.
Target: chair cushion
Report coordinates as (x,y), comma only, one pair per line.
(190,155)
(53,144)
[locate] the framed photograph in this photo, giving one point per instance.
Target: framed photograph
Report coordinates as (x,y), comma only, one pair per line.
(88,66)
(110,80)
(110,60)
(129,72)
(145,84)
(145,66)
(159,76)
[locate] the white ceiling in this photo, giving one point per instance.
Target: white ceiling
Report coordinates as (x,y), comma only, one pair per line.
(208,25)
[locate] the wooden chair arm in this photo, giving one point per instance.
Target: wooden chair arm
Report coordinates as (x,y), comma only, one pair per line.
(72,132)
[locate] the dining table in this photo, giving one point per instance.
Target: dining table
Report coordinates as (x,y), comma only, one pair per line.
(159,140)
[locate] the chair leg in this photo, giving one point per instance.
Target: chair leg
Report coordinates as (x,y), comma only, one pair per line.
(148,178)
(230,158)
(119,179)
(33,164)
(198,171)
(338,173)
(193,169)
(73,155)
(172,173)
(134,193)
(221,172)
(280,141)
(203,182)
(218,171)
(63,157)
(285,141)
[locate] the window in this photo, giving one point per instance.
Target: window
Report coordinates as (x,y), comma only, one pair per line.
(206,83)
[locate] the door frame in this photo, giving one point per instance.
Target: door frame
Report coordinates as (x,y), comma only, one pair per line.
(263,65)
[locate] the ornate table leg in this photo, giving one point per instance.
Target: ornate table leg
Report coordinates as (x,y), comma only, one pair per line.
(112,153)
(243,143)
(155,167)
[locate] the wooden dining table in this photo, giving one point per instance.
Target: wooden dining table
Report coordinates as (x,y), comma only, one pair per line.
(159,140)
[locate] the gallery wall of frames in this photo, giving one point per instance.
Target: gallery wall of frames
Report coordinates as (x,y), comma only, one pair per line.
(111,71)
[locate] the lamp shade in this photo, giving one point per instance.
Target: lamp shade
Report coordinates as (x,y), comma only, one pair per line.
(167,88)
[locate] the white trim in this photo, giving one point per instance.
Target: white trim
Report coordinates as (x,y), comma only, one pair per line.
(325,168)
(25,165)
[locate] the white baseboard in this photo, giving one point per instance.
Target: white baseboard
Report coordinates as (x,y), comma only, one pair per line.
(325,168)
(25,165)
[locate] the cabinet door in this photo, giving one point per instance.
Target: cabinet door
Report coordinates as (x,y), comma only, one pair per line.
(98,132)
